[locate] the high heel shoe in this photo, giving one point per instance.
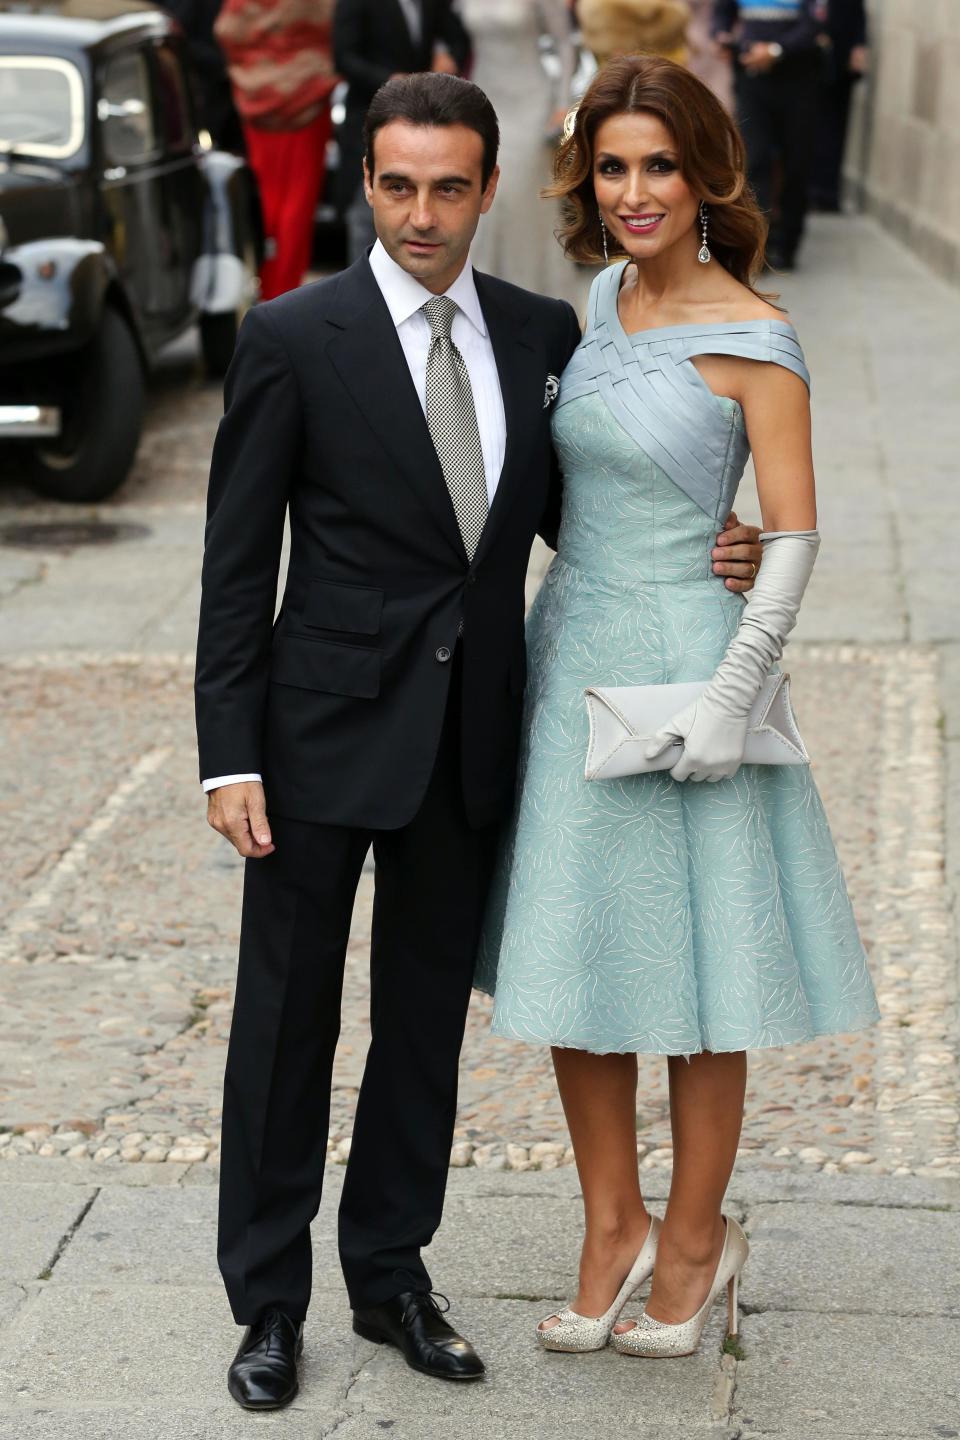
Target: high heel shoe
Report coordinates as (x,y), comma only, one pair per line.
(657,1339)
(576,1333)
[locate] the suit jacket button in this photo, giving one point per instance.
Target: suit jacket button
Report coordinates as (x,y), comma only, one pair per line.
(443,654)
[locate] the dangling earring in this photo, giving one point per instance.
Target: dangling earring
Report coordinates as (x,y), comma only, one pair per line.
(603,232)
(703,254)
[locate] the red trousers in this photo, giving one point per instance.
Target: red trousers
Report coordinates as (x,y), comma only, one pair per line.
(289,167)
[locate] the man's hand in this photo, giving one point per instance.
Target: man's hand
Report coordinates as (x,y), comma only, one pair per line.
(859,60)
(738,554)
(240,813)
(758,59)
(443,62)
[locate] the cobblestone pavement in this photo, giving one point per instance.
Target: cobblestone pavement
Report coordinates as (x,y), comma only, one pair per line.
(119,952)
(121,909)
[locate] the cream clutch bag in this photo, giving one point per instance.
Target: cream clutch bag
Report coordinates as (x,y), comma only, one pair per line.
(625,718)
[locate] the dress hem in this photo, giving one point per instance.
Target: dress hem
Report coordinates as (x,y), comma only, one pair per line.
(805,1038)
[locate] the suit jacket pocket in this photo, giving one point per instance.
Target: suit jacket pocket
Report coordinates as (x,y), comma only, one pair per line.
(354,609)
(326,665)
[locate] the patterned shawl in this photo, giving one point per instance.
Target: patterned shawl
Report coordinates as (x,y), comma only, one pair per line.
(279,57)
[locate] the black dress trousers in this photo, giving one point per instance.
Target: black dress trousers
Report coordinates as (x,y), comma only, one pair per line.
(777,114)
(431,882)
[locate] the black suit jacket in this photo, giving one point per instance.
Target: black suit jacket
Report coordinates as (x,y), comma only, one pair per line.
(371,42)
(847,28)
(340,703)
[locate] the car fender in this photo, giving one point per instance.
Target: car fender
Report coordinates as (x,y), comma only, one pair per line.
(224,275)
(58,291)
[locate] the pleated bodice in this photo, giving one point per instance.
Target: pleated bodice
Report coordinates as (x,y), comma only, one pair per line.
(649,385)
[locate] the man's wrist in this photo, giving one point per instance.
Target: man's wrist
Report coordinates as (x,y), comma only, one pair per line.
(775,50)
(218,781)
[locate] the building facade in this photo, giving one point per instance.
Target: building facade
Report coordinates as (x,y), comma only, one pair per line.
(903,157)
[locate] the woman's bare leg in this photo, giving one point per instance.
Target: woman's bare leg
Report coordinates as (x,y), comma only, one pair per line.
(599,1095)
(706,1114)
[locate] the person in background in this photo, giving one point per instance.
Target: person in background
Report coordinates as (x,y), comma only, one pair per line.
(557,20)
(777,53)
(709,66)
(847,62)
(279,58)
(216,112)
(626,27)
(374,40)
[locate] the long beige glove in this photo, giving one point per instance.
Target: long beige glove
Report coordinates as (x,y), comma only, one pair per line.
(714,728)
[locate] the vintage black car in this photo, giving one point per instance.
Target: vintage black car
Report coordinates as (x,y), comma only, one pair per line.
(120,226)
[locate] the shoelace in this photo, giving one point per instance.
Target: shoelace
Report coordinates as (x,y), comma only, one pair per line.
(276,1325)
(421,1297)
(428,1298)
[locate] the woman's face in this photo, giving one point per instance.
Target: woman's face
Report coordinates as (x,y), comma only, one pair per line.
(644,199)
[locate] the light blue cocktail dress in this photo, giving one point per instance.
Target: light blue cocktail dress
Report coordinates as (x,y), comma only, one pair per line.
(645,914)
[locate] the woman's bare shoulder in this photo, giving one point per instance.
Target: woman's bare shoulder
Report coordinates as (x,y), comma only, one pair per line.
(741,303)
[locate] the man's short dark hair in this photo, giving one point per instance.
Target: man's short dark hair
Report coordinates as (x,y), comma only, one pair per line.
(434,99)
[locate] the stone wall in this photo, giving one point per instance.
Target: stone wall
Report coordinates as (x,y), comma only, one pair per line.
(903,157)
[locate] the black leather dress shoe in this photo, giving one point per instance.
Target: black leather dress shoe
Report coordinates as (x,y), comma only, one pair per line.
(263,1375)
(413,1321)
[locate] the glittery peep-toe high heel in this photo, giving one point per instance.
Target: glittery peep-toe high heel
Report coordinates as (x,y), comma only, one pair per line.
(656,1339)
(579,1333)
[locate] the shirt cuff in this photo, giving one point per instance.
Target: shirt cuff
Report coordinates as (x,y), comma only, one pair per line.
(219,780)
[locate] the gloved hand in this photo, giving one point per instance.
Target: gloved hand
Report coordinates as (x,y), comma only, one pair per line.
(713,742)
(714,728)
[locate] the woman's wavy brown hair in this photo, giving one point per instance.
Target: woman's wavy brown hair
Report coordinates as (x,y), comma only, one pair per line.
(711,153)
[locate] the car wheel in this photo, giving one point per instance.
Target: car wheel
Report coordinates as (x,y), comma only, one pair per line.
(218,337)
(102,414)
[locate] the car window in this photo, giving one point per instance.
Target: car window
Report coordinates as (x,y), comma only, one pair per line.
(41,106)
(124,110)
(173,107)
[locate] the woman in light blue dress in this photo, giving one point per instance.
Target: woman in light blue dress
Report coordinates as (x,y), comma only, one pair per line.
(655,914)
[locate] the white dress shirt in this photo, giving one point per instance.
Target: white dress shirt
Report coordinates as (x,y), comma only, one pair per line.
(405,298)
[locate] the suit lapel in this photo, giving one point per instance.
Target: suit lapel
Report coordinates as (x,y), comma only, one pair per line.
(521,385)
(367,355)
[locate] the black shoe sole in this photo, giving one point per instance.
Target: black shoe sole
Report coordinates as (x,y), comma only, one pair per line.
(270,1405)
(380,1337)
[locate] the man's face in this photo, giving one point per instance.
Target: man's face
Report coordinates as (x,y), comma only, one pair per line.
(428,195)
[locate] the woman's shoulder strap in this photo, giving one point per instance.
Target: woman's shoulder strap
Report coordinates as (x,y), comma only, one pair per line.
(603,293)
(772,340)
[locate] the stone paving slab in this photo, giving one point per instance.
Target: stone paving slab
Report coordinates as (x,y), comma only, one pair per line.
(11,1298)
(512,1247)
(553,1425)
(144,1237)
(30,1170)
(82,1346)
(848,1375)
(33,1222)
(524,1381)
(77,1347)
(846,1259)
(171,1422)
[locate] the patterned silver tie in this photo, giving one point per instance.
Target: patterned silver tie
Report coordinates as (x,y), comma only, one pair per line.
(452,421)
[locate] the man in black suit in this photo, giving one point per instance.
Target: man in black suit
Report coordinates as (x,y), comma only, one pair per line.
(373,40)
(400,411)
(846,62)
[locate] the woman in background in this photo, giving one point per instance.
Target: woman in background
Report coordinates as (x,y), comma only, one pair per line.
(279,57)
(709,65)
(630,27)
